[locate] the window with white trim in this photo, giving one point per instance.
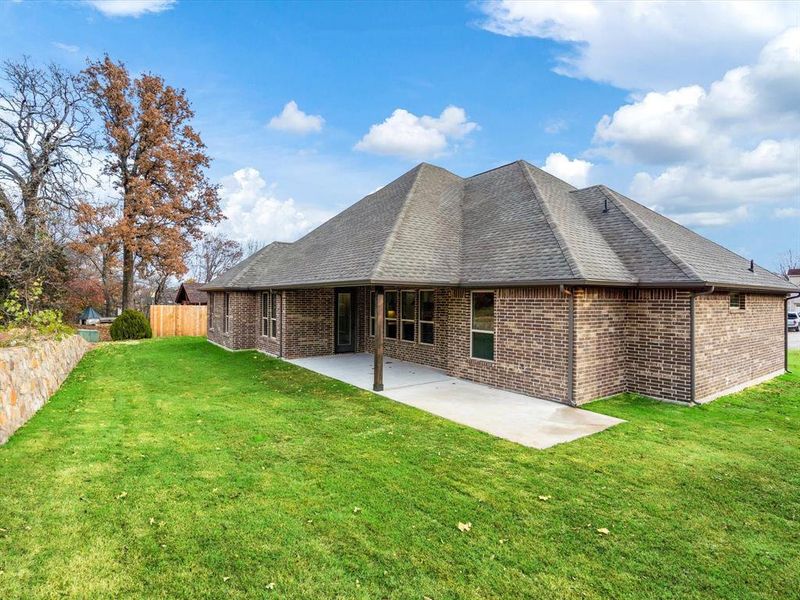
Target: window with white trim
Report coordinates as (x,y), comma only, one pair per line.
(226,322)
(408,315)
(391,314)
(426,311)
(482,326)
(273,315)
(736,301)
(372,313)
(269,314)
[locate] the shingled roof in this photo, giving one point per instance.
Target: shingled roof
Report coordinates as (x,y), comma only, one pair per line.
(514,225)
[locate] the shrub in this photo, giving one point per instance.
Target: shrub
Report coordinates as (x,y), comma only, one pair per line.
(21,322)
(131,325)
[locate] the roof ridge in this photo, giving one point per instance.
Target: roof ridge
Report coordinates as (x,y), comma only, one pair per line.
(548,173)
(684,267)
(400,215)
(548,215)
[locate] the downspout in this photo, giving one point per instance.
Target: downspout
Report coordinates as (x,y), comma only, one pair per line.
(570,343)
(786,331)
(692,296)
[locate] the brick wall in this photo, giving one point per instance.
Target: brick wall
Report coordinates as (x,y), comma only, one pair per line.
(733,347)
(531,341)
(657,344)
(308,322)
(243,328)
(634,340)
(600,343)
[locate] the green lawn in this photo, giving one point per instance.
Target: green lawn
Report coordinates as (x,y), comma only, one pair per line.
(174,469)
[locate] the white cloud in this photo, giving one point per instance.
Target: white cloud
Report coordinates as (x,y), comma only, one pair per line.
(645,45)
(555,126)
(712,218)
(695,123)
(409,136)
(718,149)
(66,47)
(574,171)
(130,8)
(254,212)
(294,120)
(788,212)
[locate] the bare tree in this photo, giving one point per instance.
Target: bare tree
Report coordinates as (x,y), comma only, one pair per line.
(45,146)
(788,260)
(45,141)
(252,246)
(214,255)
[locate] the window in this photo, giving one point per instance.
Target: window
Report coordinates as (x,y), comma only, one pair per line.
(269,314)
(273,314)
(226,322)
(210,311)
(426,309)
(391,314)
(408,315)
(372,314)
(736,301)
(482,345)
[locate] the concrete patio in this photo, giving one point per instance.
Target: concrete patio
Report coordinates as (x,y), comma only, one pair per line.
(528,421)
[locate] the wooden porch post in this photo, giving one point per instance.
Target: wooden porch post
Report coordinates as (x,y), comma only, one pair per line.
(380,314)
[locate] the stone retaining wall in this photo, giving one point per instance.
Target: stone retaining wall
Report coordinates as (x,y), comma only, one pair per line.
(30,375)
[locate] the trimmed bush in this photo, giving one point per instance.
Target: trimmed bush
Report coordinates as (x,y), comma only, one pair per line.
(131,325)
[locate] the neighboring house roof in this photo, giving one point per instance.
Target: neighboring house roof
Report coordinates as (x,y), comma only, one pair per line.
(89,313)
(191,293)
(513,225)
(791,272)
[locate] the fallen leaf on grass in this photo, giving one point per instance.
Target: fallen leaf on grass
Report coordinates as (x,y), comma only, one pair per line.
(271,585)
(122,495)
(225,578)
(356,509)
(544,498)
(152,521)
(464,526)
(603,530)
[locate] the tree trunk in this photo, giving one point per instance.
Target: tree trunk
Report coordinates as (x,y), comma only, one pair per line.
(127,278)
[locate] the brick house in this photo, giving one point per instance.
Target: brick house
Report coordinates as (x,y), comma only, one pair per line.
(515,279)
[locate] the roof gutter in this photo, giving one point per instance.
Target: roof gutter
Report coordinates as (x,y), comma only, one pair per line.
(683,285)
(786,331)
(692,378)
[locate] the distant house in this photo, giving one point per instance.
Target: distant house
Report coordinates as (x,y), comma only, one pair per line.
(794,277)
(515,279)
(190,293)
(89,316)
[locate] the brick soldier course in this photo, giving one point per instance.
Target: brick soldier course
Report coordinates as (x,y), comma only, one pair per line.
(593,294)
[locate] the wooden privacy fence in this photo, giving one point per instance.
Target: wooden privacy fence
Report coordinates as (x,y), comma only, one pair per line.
(178,319)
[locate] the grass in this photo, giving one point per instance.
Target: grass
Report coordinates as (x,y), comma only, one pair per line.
(174,469)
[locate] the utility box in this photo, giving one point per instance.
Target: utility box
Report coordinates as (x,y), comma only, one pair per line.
(90,335)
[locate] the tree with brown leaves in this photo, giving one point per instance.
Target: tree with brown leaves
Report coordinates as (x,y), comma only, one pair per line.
(157,162)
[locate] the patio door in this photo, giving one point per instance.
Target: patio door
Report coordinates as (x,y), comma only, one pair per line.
(344,320)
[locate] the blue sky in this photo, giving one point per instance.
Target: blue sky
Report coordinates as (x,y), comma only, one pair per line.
(693,109)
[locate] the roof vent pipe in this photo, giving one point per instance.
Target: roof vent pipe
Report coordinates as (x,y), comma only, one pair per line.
(605,205)
(752,266)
